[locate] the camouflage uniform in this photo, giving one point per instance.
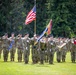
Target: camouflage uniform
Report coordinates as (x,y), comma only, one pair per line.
(73,53)
(63,52)
(34,51)
(26,47)
(69,45)
(42,51)
(46,52)
(5,48)
(13,49)
(0,47)
(58,52)
(58,55)
(51,51)
(38,51)
(20,49)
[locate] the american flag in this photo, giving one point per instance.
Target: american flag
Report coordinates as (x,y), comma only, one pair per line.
(31,16)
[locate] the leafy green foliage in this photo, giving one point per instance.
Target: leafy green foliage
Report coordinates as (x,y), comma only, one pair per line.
(63,13)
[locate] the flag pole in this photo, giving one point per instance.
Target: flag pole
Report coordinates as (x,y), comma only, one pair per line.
(35,21)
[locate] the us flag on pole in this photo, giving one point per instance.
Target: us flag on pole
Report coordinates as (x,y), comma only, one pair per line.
(31,16)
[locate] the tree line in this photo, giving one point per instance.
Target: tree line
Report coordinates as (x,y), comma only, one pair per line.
(63,13)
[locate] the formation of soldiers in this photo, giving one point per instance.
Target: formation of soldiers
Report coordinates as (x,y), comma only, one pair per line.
(41,52)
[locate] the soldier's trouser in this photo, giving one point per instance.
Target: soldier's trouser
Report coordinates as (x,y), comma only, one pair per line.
(36,59)
(12,54)
(38,56)
(46,57)
(20,55)
(5,54)
(26,57)
(41,57)
(33,59)
(34,56)
(58,53)
(63,56)
(51,57)
(73,56)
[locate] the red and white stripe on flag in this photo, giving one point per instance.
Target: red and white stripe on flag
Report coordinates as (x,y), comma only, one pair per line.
(31,16)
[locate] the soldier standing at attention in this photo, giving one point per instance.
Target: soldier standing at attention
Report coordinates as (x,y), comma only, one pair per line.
(42,50)
(20,47)
(34,49)
(51,50)
(13,49)
(38,51)
(0,46)
(64,50)
(46,50)
(26,47)
(73,51)
(58,50)
(5,47)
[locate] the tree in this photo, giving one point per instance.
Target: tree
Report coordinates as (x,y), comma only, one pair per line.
(63,19)
(4,12)
(63,13)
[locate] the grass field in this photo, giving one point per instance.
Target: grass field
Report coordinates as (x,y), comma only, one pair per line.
(15,68)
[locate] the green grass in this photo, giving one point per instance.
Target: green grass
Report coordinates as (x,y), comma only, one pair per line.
(15,68)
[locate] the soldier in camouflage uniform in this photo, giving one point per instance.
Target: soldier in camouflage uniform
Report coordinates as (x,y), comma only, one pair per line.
(34,50)
(38,51)
(13,49)
(26,47)
(51,50)
(5,47)
(46,50)
(0,46)
(65,49)
(20,47)
(58,51)
(63,52)
(73,52)
(42,50)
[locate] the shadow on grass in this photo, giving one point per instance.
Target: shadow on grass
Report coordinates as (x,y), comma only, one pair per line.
(6,62)
(44,65)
